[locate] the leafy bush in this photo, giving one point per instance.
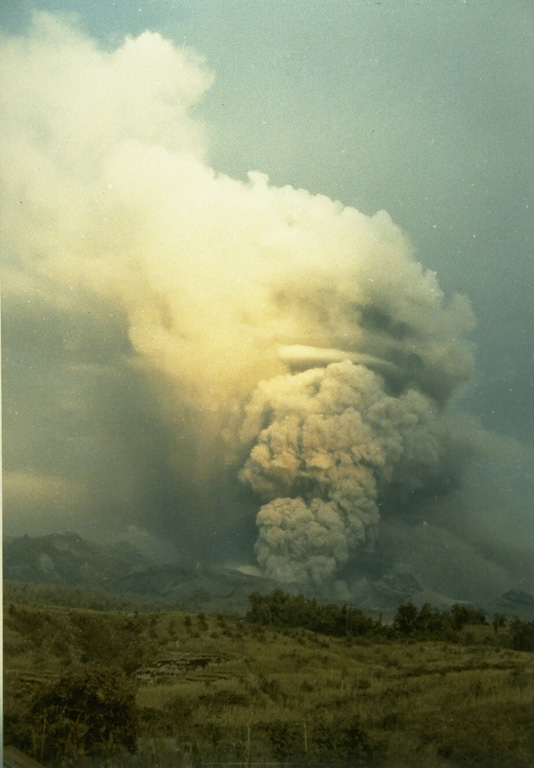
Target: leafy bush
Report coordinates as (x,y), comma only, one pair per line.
(343,742)
(286,740)
(431,623)
(466,614)
(522,635)
(86,712)
(283,610)
(405,621)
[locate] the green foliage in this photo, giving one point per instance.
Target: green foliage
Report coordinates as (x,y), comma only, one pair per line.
(431,623)
(311,685)
(280,609)
(86,712)
(327,741)
(341,742)
(460,615)
(405,621)
(499,622)
(285,740)
(283,610)
(522,635)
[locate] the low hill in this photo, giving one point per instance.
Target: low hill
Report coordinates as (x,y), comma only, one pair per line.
(185,689)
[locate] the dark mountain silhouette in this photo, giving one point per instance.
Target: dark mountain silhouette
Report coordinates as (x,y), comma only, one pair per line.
(68,560)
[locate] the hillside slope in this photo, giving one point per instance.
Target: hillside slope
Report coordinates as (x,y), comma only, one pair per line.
(213,689)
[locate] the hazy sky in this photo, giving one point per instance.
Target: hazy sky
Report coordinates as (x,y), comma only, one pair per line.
(424,109)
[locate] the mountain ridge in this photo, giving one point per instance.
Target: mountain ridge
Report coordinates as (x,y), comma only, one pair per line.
(120,569)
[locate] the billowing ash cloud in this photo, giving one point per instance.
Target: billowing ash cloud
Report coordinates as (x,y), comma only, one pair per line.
(334,440)
(287,340)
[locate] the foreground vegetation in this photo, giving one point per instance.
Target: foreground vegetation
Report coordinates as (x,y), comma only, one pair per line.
(293,683)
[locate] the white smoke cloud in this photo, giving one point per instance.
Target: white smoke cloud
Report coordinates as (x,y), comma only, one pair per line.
(106,188)
(272,321)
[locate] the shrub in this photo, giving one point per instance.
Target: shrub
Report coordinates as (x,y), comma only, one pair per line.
(284,610)
(286,740)
(522,634)
(342,742)
(88,712)
(466,614)
(405,620)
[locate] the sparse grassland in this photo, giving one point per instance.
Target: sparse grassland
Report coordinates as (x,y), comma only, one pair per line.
(217,689)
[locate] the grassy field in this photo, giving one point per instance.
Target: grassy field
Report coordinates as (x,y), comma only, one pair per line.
(220,690)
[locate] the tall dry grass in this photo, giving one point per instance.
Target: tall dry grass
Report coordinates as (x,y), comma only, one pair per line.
(241,693)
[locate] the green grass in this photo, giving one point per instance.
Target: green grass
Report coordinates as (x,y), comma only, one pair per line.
(218,689)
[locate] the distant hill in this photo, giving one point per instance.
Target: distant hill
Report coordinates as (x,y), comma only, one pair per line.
(119,569)
(514,602)
(68,560)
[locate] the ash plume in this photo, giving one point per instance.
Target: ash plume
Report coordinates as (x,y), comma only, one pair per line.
(334,441)
(301,359)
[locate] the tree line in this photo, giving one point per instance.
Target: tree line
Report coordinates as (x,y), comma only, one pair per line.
(281,609)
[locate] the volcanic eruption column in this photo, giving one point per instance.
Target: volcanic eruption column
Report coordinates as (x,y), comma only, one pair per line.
(300,330)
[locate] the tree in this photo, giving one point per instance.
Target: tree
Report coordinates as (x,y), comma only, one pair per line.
(86,712)
(499,622)
(433,624)
(343,741)
(260,611)
(522,633)
(405,620)
(462,614)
